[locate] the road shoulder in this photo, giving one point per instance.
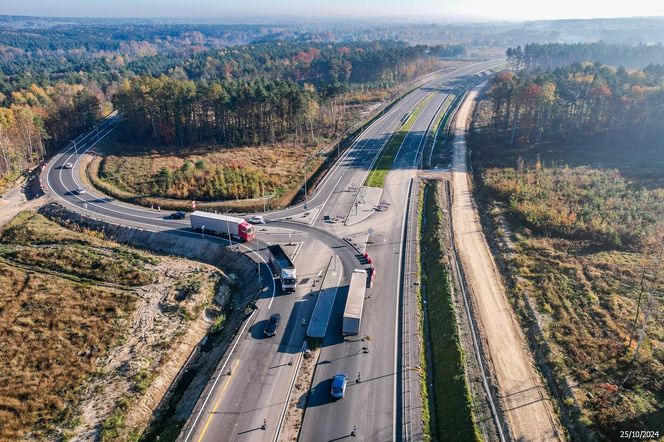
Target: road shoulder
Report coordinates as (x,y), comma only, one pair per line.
(524,399)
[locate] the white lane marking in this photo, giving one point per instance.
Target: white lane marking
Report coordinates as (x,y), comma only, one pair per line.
(150,226)
(363,135)
(396,315)
(216,380)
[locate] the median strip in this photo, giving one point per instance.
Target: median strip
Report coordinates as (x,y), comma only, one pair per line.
(376,177)
(454,418)
(325,301)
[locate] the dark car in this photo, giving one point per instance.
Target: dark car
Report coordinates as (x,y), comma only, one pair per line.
(272,324)
(178,215)
(338,390)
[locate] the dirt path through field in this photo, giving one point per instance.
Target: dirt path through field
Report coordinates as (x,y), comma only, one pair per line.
(524,400)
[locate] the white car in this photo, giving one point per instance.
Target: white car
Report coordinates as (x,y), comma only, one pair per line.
(69,166)
(256,219)
(79,191)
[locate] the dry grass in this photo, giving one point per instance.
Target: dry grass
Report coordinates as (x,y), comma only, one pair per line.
(86,327)
(134,170)
(32,240)
(586,298)
(580,290)
(129,173)
(51,332)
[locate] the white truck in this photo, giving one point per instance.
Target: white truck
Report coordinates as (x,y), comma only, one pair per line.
(354,303)
(223,225)
(284,267)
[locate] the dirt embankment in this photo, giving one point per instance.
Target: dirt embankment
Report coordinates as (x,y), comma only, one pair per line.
(175,401)
(524,400)
(92,333)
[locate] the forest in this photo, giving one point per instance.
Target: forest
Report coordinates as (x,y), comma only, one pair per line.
(177,90)
(40,120)
(535,56)
(577,100)
(568,168)
(263,95)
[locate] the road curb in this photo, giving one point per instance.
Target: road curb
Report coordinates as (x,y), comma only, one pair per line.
(218,374)
(290,392)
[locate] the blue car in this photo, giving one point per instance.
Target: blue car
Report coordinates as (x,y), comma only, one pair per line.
(339,386)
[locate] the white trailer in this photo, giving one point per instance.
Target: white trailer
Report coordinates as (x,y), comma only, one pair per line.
(223,225)
(354,303)
(284,267)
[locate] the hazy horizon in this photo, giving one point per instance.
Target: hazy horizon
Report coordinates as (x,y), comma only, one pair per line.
(512,10)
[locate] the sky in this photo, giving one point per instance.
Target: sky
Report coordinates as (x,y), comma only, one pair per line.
(430,9)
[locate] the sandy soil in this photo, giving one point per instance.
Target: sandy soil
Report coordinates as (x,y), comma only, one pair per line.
(13,202)
(295,413)
(524,400)
(158,343)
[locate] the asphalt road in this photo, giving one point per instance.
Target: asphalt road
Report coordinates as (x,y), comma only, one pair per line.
(258,387)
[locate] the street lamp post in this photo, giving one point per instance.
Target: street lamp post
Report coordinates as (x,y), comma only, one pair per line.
(228,228)
(305,184)
(258,262)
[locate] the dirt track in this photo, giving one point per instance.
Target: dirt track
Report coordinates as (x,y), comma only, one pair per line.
(524,400)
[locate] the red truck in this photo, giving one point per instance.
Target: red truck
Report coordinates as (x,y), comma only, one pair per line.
(222,225)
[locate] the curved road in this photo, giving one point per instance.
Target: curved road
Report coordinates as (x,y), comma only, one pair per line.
(236,406)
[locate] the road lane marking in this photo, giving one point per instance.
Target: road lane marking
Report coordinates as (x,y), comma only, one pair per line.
(223,367)
(396,316)
(216,405)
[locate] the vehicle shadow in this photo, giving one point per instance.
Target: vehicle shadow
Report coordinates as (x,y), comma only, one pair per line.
(318,395)
(334,335)
(292,329)
(256,330)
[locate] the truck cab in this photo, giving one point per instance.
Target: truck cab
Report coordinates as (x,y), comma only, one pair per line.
(288,279)
(246,231)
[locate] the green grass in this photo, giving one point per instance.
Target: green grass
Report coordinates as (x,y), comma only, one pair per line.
(384,163)
(424,373)
(112,426)
(30,239)
(454,417)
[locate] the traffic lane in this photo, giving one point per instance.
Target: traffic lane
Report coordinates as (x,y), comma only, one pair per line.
(259,386)
(330,181)
(371,408)
(66,181)
(341,201)
(369,404)
(362,155)
(259,380)
(368,409)
(390,119)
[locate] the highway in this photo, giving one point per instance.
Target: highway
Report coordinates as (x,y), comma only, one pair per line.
(237,406)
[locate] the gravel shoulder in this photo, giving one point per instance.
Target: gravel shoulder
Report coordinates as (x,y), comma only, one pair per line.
(525,402)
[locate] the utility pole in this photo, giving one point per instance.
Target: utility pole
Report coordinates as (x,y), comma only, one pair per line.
(263,190)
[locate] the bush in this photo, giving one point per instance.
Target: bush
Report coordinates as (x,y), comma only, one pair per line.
(579,202)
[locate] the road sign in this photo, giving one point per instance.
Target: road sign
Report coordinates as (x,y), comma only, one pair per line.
(370,231)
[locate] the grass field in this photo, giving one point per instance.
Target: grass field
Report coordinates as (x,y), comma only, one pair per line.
(52,327)
(453,404)
(85,326)
(206,173)
(376,177)
(584,264)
